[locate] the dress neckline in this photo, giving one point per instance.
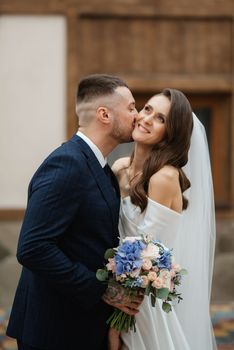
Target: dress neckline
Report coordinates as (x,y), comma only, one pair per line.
(156,204)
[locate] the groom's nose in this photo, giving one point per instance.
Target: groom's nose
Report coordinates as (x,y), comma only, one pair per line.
(135,117)
(138,116)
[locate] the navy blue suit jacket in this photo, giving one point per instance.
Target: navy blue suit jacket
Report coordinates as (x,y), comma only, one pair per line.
(70,220)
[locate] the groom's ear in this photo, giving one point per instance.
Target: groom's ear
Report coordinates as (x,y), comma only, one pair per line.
(103,115)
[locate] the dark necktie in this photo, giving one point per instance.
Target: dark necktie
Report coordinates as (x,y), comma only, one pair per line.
(112,178)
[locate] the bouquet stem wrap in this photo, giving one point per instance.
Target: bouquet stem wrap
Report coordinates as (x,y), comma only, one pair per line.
(122,321)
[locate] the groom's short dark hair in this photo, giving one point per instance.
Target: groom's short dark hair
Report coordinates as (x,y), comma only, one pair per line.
(97,85)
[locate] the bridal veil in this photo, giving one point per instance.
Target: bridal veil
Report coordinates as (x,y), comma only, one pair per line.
(195,246)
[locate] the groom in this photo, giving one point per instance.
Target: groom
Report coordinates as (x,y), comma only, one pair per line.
(70,220)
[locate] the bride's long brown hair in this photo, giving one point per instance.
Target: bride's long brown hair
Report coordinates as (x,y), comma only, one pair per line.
(172,150)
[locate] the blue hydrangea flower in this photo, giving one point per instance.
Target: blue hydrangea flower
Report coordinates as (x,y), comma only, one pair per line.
(137,282)
(164,262)
(128,257)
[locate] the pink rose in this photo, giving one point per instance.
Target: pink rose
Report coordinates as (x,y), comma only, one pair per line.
(158,283)
(152,276)
(176,267)
(166,278)
(147,264)
(172,272)
(111,265)
(171,286)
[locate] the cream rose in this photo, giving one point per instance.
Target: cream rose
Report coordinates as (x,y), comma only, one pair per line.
(150,252)
(132,239)
(158,283)
(155,268)
(147,264)
(152,275)
(135,273)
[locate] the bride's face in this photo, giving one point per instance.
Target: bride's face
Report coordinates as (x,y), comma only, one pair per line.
(150,125)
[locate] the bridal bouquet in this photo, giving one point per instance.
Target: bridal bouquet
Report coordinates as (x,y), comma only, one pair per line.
(141,264)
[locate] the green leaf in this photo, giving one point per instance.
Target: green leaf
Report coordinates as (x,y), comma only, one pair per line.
(153,299)
(172,296)
(148,289)
(166,307)
(179,298)
(102,275)
(162,293)
(110,253)
(183,272)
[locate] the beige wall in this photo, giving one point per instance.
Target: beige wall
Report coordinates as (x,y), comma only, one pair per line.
(32,99)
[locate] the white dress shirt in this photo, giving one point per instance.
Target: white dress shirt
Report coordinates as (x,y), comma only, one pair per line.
(94,148)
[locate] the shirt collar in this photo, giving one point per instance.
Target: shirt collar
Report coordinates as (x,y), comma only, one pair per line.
(93,147)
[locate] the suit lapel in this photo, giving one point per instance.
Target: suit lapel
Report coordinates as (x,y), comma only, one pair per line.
(103,182)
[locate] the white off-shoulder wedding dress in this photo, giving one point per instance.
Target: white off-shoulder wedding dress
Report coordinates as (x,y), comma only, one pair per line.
(191,235)
(155,329)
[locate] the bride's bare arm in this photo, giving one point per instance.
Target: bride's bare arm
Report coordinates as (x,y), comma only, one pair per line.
(114,339)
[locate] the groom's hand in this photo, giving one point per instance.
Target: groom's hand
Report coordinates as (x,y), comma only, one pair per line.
(123,299)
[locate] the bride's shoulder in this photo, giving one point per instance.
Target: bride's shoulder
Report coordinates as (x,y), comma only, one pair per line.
(167,177)
(120,164)
(168,171)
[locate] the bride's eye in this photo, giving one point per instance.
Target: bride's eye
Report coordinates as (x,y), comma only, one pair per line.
(147,108)
(161,119)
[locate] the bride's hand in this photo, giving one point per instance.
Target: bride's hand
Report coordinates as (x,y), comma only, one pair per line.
(114,340)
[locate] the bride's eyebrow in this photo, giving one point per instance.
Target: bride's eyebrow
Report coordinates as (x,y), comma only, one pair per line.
(148,106)
(161,115)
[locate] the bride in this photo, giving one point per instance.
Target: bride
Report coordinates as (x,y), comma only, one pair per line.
(157,198)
